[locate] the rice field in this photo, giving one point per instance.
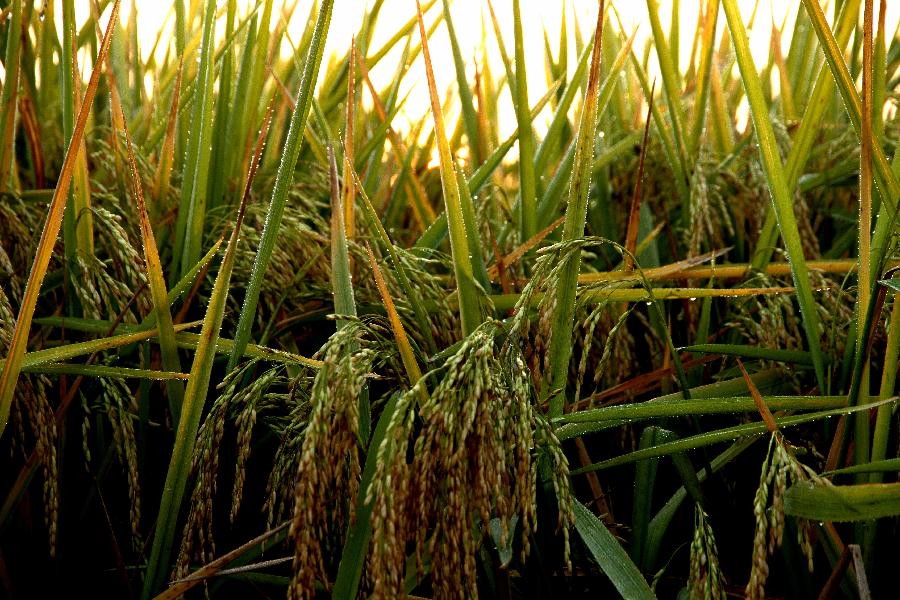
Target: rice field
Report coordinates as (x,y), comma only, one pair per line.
(266,332)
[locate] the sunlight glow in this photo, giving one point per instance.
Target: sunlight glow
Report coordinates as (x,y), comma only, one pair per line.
(472,22)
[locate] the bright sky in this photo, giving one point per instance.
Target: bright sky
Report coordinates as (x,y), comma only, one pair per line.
(468,16)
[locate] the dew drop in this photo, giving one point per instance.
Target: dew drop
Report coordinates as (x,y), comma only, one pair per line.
(41,15)
(693,298)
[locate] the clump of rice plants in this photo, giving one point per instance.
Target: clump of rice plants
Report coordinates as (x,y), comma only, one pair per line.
(264,334)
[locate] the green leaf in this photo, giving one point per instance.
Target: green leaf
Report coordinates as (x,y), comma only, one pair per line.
(788,356)
(68,351)
(644,481)
(893,284)
(782,198)
(887,465)
(437,231)
(470,297)
(528,202)
(133,334)
(576,213)
(104,371)
(840,503)
(192,409)
(670,76)
(341,278)
(9,94)
(723,435)
(610,555)
(157,284)
(470,120)
(283,181)
(589,421)
(10,374)
(192,214)
(810,128)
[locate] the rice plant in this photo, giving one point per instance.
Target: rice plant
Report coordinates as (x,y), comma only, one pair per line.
(266,331)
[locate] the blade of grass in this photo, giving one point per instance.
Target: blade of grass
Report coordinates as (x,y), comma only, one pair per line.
(9,95)
(579,423)
(69,351)
(12,366)
(403,32)
(889,465)
(561,117)
(710,19)
(437,231)
(283,180)
(77,221)
(466,102)
(236,127)
(473,237)
(511,80)
(220,120)
(181,288)
(610,555)
(842,503)
(887,181)
(188,341)
(879,75)
(819,101)
(341,281)
(399,269)
(195,397)
(631,233)
(406,352)
(862,433)
(576,212)
(180,26)
(157,284)
(247,107)
(527,194)
(884,419)
(421,206)
(349,202)
(761,406)
(673,156)
(467,290)
(194,197)
(723,435)
(161,182)
(778,189)
(671,77)
(507,301)
(341,274)
(644,482)
(105,371)
(789,356)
